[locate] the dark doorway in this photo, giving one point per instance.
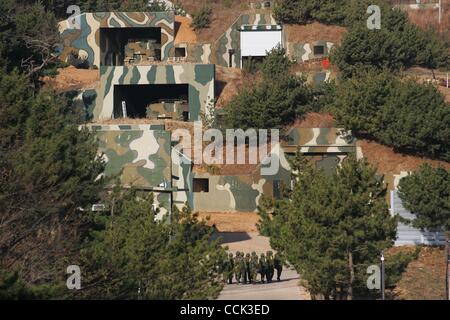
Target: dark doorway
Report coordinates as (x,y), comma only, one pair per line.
(180,52)
(117,44)
(137,97)
(201,185)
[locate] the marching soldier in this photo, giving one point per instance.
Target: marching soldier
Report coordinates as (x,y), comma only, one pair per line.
(247,268)
(254,266)
(229,268)
(242,270)
(270,266)
(262,267)
(237,270)
(278,264)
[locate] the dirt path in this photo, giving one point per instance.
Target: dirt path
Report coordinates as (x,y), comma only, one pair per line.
(286,289)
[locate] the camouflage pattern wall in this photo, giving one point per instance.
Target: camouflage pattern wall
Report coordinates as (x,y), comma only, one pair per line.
(325,147)
(241,192)
(85,40)
(317,77)
(142,157)
(99,103)
(302,52)
(217,52)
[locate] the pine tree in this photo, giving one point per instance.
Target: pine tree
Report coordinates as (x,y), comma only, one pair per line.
(276,100)
(134,256)
(49,170)
(426,193)
(331,227)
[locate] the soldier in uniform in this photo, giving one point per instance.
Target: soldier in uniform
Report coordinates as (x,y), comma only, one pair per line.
(278,264)
(254,266)
(270,266)
(242,270)
(262,266)
(229,269)
(248,272)
(237,270)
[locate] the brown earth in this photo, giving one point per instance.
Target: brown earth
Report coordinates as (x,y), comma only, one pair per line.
(437,77)
(315,120)
(424,278)
(314,32)
(183,30)
(429,18)
(231,221)
(389,162)
(71,78)
(227,84)
(224,13)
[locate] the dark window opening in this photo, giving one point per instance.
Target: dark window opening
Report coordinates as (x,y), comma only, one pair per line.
(319,50)
(277,185)
(151,101)
(201,185)
(120,46)
(266,4)
(180,52)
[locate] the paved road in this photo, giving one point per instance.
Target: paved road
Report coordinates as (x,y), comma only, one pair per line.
(286,289)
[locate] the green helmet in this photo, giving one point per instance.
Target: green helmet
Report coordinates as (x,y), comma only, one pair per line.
(262,255)
(230,255)
(238,253)
(247,255)
(253,253)
(269,253)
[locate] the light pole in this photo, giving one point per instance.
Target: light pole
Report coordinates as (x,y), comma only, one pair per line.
(382,275)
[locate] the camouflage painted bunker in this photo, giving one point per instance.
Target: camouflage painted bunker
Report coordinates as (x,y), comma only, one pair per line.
(144,74)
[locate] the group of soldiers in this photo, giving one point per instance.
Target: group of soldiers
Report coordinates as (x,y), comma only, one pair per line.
(245,268)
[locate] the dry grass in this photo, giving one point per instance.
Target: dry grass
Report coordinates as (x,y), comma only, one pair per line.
(429,18)
(424,278)
(71,78)
(231,221)
(315,120)
(224,13)
(389,162)
(314,32)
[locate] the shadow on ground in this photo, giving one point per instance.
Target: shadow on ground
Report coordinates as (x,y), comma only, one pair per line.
(230,237)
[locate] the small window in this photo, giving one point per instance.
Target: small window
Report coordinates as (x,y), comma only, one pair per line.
(201,185)
(319,50)
(180,52)
(277,189)
(267,4)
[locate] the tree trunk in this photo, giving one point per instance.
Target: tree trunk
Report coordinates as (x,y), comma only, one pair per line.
(352,276)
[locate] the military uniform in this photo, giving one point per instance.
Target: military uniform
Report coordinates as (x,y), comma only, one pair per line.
(278,264)
(237,270)
(270,266)
(229,269)
(242,270)
(248,267)
(254,266)
(262,266)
